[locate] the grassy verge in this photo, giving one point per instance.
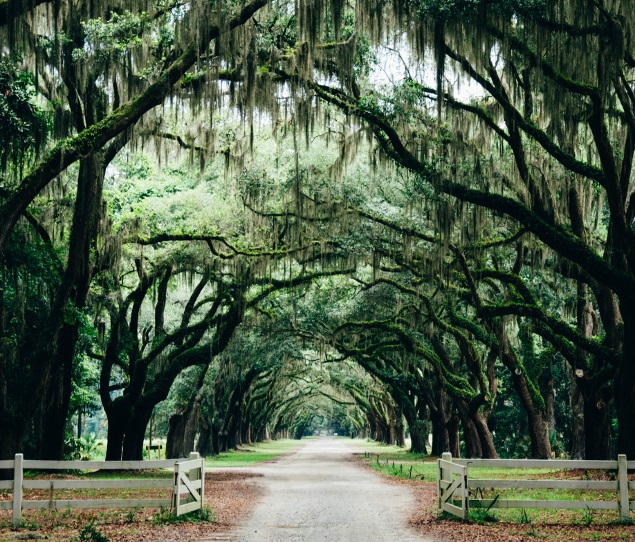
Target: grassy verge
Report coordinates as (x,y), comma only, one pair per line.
(398,462)
(245,456)
(227,496)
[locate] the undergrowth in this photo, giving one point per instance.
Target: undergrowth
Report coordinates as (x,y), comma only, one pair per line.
(90,533)
(167,517)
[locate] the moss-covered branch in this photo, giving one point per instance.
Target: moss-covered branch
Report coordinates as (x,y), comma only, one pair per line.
(528,126)
(559,327)
(96,136)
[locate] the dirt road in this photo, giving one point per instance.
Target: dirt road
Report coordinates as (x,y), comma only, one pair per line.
(319,494)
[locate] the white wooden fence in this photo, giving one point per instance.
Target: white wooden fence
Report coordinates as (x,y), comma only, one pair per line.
(188,479)
(455,496)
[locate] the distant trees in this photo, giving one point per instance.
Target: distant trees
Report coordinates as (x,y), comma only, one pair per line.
(484,215)
(546,142)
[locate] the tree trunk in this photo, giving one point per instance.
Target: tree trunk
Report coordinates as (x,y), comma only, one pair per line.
(444,430)
(597,428)
(175,439)
(207,439)
(538,430)
(576,400)
(471,436)
(117,424)
(58,398)
(485,436)
(537,424)
(183,426)
(454,441)
(625,388)
(136,432)
(418,437)
(10,442)
(400,430)
(215,440)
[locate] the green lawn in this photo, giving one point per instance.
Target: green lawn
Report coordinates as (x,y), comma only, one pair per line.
(255,453)
(395,461)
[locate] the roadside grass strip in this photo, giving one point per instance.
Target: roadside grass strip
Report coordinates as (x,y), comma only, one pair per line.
(251,454)
(399,463)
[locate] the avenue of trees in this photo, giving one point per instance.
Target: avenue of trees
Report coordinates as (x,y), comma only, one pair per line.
(266,218)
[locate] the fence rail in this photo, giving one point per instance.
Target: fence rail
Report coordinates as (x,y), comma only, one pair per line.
(456,498)
(189,476)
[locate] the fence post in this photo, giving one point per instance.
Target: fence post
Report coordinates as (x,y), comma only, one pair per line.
(17,489)
(622,485)
(465,496)
(201,474)
(176,497)
(443,475)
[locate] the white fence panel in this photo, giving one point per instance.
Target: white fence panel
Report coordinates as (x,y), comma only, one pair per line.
(190,480)
(451,489)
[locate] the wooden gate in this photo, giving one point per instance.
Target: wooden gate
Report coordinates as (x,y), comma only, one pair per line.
(189,480)
(452,487)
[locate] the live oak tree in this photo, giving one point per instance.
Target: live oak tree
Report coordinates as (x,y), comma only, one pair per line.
(516,136)
(547,142)
(85,72)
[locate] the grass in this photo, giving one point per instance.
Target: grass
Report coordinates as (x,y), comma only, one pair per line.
(92,534)
(166,517)
(245,456)
(98,525)
(398,462)
(97,451)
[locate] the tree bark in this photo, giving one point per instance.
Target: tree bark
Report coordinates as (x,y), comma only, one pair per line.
(57,402)
(471,437)
(597,429)
(175,438)
(117,426)
(132,449)
(578,435)
(537,424)
(454,441)
(485,436)
(97,136)
(12,432)
(625,388)
(418,437)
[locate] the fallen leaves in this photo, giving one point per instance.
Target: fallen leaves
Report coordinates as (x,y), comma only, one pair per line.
(230,496)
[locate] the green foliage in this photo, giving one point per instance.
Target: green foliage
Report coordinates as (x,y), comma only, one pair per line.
(112,38)
(587,517)
(90,533)
(406,328)
(279,31)
(482,516)
(524,518)
(167,517)
(23,123)
(147,201)
(131,515)
(82,448)
(470,10)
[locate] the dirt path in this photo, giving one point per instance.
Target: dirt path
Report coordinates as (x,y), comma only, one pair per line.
(318,493)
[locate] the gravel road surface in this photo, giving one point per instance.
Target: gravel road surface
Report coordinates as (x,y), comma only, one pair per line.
(319,494)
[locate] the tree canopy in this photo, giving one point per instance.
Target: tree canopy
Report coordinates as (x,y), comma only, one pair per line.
(275,216)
